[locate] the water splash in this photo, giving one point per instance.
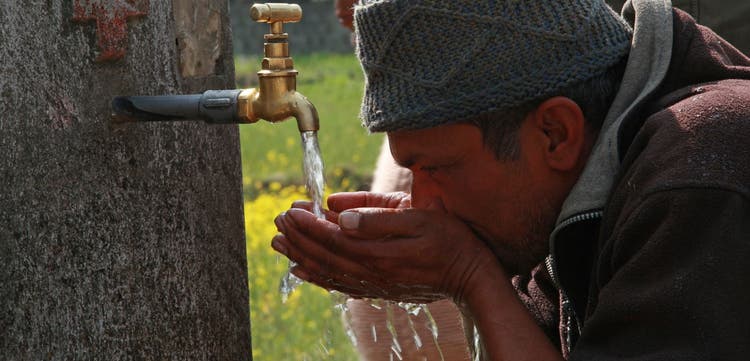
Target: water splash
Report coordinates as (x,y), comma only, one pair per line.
(433,330)
(312,166)
(395,345)
(323,349)
(376,304)
(433,324)
(411,310)
(415,334)
(476,351)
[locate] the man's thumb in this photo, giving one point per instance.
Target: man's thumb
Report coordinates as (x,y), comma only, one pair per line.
(379,222)
(349,220)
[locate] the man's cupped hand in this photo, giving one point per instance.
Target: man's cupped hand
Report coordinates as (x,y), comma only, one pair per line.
(375,245)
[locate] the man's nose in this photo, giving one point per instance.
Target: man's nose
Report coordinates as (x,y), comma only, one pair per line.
(425,193)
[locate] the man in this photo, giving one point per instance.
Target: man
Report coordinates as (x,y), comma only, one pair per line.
(553,133)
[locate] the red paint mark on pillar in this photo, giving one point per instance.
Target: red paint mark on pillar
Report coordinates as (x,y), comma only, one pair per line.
(111,18)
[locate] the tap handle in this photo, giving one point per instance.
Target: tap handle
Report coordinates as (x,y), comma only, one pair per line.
(276,12)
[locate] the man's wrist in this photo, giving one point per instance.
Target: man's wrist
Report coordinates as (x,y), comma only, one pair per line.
(488,279)
(507,329)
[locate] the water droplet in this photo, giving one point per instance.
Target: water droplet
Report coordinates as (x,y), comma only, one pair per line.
(476,351)
(396,352)
(389,325)
(417,339)
(434,330)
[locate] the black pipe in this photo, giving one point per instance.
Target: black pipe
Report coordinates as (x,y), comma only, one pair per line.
(213,106)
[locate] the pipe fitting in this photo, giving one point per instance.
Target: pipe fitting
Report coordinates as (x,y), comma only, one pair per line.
(275,99)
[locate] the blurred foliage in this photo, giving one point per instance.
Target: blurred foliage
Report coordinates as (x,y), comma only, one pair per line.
(307,326)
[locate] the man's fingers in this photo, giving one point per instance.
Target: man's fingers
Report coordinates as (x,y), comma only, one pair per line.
(353,288)
(382,222)
(312,232)
(307,222)
(306,205)
(331,216)
(317,238)
(320,266)
(342,201)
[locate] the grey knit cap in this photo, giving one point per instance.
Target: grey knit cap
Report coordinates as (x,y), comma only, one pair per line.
(433,62)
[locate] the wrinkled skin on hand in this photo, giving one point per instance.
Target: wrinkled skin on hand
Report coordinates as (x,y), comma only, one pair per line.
(376,246)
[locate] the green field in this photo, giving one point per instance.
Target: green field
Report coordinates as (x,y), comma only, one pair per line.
(307,327)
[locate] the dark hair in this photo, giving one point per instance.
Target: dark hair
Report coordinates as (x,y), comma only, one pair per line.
(594,96)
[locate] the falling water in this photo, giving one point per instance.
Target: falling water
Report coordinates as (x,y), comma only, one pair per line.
(433,329)
(312,166)
(395,345)
(315,183)
(476,351)
(412,310)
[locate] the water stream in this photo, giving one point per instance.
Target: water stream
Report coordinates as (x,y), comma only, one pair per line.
(313,169)
(315,184)
(312,165)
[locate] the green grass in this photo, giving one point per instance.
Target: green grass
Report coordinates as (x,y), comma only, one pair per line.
(307,327)
(271,152)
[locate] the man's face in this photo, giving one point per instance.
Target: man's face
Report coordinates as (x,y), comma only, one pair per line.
(504,202)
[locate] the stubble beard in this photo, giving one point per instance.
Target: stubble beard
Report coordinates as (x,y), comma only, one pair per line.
(520,256)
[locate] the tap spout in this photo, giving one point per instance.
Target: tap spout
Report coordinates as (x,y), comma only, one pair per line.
(305,113)
(254,104)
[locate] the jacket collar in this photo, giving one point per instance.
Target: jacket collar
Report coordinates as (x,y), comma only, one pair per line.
(648,62)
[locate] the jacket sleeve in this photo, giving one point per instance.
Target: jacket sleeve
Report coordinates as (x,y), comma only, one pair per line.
(673,280)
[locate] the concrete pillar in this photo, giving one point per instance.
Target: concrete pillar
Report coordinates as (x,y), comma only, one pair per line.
(117,242)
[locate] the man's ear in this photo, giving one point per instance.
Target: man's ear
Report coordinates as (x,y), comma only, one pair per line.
(562,129)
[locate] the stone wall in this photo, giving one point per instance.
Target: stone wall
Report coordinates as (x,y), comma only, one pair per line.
(117,242)
(319,30)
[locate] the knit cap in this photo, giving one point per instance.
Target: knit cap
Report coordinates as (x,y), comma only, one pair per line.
(434,62)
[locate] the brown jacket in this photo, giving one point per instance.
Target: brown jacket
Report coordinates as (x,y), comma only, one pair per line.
(728,18)
(663,271)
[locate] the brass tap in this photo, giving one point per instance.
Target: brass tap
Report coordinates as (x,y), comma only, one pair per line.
(275,99)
